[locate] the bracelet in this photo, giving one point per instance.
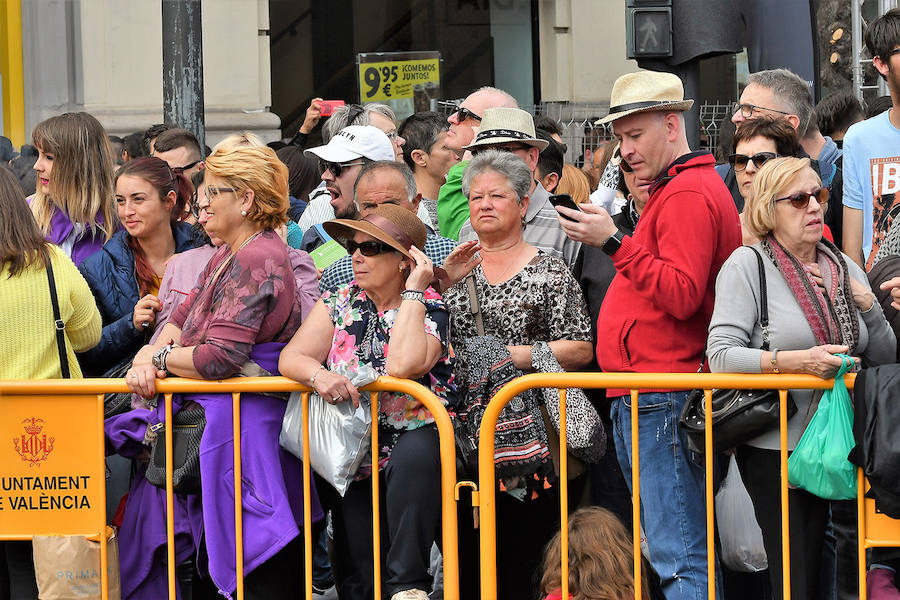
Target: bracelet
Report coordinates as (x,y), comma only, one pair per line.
(418,295)
(773,361)
(312,380)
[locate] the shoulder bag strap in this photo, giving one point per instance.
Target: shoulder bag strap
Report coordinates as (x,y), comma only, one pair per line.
(763,300)
(58,324)
(474,306)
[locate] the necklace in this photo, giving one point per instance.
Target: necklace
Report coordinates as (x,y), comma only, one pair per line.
(509,264)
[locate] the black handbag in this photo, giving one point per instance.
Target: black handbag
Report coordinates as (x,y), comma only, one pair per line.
(116,403)
(738,416)
(187,430)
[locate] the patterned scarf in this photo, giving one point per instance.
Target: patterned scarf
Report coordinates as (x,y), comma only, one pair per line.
(831,316)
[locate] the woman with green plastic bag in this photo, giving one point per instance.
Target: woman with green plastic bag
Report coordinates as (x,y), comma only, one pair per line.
(819,305)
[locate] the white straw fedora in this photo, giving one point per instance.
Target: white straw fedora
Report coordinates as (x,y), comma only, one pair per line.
(645,91)
(506,125)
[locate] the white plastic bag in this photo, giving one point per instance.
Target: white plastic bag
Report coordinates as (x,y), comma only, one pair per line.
(339,434)
(741,537)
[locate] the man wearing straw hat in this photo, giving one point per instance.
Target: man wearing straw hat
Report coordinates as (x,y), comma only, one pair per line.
(656,311)
(512,130)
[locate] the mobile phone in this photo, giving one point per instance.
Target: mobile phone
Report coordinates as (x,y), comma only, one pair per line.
(564,200)
(328,106)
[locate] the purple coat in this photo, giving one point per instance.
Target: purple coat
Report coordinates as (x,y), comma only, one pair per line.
(90,241)
(271,491)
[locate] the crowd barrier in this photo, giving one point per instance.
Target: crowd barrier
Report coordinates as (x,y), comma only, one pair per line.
(884,531)
(75,396)
(81,402)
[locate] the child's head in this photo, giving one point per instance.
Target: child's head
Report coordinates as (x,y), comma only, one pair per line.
(601,566)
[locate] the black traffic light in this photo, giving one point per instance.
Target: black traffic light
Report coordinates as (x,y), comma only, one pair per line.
(648,28)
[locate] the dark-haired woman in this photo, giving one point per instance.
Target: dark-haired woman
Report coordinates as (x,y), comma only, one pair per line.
(125,275)
(27,312)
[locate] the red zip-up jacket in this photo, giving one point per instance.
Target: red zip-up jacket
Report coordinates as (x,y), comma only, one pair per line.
(655,315)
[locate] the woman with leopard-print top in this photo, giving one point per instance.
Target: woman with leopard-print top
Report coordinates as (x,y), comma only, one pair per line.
(525,297)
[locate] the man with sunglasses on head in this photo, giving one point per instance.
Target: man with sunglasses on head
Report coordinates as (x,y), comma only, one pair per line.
(655,314)
(340,161)
(453,206)
(781,94)
(181,151)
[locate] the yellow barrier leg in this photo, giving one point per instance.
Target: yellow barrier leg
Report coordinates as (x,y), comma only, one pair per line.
(710,500)
(238,494)
(170,497)
(861,531)
(376,500)
(636,495)
(785,503)
(104,556)
(307,493)
(563,494)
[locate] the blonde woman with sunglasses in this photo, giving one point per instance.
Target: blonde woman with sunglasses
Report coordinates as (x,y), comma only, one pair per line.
(819,304)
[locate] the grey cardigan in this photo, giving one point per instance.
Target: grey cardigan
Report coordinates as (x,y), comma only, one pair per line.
(735,336)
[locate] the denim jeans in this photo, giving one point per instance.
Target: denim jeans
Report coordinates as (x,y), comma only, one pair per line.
(673,502)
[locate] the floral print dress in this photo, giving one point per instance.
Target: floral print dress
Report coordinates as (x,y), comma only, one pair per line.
(362,335)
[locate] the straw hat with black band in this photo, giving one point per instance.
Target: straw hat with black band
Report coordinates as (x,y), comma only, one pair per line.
(506,126)
(645,91)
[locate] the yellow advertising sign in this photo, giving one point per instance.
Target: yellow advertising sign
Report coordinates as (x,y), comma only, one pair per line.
(391,80)
(52,473)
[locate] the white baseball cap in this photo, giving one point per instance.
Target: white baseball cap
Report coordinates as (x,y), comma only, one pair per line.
(354,141)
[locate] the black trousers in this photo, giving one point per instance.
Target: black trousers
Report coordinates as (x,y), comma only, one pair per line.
(17,572)
(808,519)
(410,490)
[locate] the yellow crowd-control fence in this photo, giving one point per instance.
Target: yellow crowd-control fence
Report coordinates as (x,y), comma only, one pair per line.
(62,434)
(887,532)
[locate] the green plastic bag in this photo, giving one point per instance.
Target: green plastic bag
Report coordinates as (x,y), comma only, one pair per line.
(819,463)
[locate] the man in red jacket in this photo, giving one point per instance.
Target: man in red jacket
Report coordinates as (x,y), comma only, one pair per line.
(655,314)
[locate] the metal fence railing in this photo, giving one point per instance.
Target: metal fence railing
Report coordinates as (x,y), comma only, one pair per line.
(85,388)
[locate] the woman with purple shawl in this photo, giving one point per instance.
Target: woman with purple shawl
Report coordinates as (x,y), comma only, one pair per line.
(245,307)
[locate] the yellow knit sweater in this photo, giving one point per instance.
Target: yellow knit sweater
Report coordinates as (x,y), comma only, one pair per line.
(28,347)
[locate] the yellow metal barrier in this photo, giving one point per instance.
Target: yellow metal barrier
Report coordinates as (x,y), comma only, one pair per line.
(237,386)
(633,382)
(12,80)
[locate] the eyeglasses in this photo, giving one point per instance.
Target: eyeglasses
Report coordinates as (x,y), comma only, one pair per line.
(392,136)
(196,209)
(212,192)
(516,148)
(802,199)
(890,54)
(464,113)
(181,170)
(747,109)
(337,168)
(740,161)
(368,248)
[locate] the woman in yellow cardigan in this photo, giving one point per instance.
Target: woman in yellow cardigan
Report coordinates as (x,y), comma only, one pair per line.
(28,342)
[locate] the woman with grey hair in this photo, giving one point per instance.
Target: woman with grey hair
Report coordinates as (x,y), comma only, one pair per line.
(531,309)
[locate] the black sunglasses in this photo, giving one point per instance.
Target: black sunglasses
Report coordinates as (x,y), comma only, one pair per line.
(802,199)
(368,248)
(740,161)
(626,168)
(181,170)
(336,168)
(464,113)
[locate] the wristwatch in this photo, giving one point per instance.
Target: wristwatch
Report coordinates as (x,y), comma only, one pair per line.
(613,243)
(159,358)
(413,295)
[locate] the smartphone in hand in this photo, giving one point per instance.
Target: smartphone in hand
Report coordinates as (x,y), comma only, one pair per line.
(564,200)
(328,106)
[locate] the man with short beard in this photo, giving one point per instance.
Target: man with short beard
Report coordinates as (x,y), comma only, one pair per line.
(340,161)
(453,206)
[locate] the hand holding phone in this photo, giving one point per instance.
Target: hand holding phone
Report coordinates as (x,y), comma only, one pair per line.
(564,200)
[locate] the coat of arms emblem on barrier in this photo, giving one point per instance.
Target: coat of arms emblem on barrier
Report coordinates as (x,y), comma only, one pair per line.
(33,446)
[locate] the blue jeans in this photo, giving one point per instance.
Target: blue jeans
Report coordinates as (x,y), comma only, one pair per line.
(673,503)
